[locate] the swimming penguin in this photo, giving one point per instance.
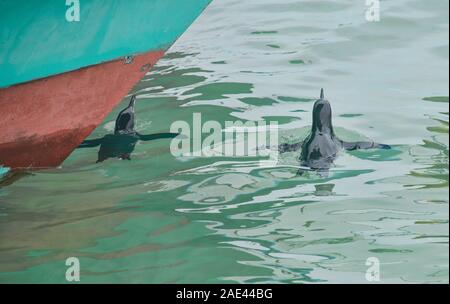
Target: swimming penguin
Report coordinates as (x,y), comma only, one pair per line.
(123,142)
(125,119)
(321,146)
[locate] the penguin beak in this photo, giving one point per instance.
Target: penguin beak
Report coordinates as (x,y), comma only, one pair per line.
(322,95)
(133,101)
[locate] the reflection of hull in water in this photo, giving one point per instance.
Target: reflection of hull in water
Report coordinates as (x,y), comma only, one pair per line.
(44,120)
(59,79)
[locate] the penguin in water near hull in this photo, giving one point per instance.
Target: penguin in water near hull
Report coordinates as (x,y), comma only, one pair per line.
(123,142)
(321,146)
(125,119)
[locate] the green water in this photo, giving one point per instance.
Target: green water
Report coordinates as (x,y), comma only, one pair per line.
(162,219)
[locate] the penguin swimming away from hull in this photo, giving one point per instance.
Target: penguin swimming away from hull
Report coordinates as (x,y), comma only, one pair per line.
(321,146)
(122,143)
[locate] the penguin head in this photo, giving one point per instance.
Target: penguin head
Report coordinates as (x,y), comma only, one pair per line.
(322,115)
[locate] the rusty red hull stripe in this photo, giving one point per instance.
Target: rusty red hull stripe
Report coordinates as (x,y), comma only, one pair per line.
(43,121)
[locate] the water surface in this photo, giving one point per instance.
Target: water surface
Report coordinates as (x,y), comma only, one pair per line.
(163,219)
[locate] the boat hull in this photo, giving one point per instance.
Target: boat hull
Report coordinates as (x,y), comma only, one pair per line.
(43,121)
(37,40)
(59,77)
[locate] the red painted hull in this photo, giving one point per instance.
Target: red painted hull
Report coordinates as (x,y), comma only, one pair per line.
(43,121)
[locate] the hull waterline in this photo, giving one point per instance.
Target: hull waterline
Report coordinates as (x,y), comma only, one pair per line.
(43,121)
(60,77)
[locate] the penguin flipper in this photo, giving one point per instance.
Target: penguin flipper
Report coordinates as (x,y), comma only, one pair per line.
(156,136)
(91,143)
(363,145)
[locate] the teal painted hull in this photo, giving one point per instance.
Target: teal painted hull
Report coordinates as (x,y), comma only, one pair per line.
(37,41)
